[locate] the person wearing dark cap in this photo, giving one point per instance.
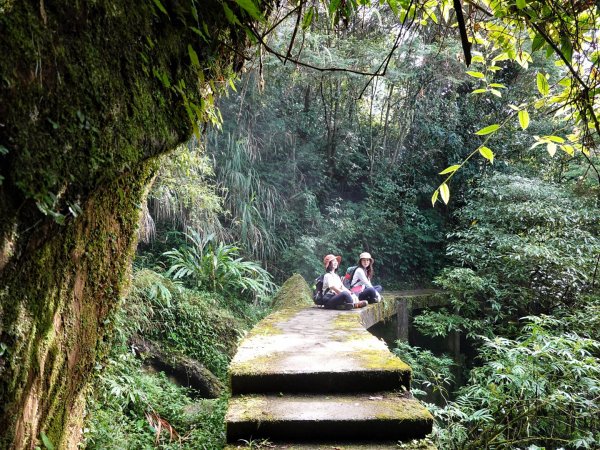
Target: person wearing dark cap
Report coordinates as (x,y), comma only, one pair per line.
(336,296)
(361,280)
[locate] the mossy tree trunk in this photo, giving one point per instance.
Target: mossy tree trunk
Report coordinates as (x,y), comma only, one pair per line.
(88,104)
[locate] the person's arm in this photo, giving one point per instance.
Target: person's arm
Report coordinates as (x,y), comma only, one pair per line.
(336,284)
(360,278)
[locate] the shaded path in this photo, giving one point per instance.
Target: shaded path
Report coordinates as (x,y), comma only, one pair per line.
(309,374)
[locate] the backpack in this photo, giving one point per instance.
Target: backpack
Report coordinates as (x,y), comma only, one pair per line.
(318,291)
(347,280)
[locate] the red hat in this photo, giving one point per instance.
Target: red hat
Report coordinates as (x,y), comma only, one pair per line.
(329,258)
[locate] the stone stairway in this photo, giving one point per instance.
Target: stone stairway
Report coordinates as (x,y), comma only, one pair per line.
(306,375)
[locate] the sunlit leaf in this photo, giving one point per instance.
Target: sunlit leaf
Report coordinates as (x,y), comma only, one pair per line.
(445,193)
(450,169)
(521,4)
(487,130)
(487,153)
(542,84)
(475,74)
(524,119)
(551,148)
(434,197)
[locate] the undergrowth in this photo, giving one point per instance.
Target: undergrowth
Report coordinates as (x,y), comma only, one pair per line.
(134,407)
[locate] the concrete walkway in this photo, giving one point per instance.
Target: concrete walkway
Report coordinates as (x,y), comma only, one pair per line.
(310,374)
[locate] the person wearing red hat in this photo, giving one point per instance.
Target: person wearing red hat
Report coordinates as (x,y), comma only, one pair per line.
(361,280)
(336,296)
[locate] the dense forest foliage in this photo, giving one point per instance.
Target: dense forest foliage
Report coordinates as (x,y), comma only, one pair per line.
(460,151)
(309,162)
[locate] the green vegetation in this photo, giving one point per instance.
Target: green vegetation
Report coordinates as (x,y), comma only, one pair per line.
(314,152)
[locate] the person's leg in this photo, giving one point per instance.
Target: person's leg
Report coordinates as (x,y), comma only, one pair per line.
(369,294)
(379,290)
(338,300)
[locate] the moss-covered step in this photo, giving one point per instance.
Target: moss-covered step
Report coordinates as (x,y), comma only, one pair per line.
(310,349)
(369,416)
(416,444)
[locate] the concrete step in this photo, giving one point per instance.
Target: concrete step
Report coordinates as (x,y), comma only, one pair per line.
(315,350)
(365,417)
(418,444)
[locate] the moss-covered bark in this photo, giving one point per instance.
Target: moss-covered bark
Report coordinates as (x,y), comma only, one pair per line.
(87,105)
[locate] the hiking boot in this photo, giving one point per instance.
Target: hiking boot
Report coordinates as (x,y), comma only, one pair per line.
(361,304)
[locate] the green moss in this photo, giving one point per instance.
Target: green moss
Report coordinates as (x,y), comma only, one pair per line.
(378,359)
(294,293)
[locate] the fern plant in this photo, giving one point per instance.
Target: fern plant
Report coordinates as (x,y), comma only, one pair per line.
(217,267)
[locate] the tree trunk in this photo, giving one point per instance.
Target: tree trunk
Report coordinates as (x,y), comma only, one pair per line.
(91,94)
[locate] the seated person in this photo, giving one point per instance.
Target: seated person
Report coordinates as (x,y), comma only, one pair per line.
(335,295)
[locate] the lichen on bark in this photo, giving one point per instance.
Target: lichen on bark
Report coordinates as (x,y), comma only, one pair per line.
(92,92)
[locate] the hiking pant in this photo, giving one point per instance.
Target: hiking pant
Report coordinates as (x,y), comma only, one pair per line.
(370,294)
(333,301)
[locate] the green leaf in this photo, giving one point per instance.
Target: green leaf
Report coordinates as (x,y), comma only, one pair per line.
(556,139)
(445,192)
(538,42)
(566,48)
(308,18)
(524,119)
(497,85)
(487,130)
(496,92)
(568,149)
(521,4)
(229,14)
(3,150)
(193,56)
(487,153)
(434,197)
(542,84)
(479,91)
(475,74)
(160,6)
(250,7)
(450,169)
(47,443)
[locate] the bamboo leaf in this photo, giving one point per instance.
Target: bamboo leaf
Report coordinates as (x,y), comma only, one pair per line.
(487,130)
(250,7)
(193,56)
(487,153)
(450,169)
(229,14)
(524,119)
(160,6)
(445,192)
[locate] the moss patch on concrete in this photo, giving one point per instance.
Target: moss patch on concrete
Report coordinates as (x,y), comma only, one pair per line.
(295,293)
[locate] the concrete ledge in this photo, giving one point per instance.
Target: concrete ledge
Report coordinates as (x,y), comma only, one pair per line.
(315,350)
(382,416)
